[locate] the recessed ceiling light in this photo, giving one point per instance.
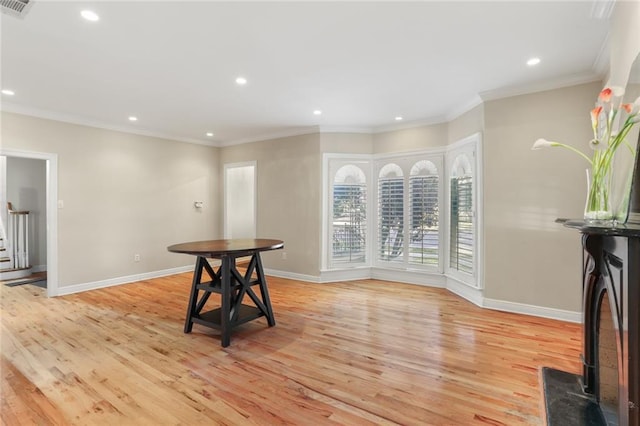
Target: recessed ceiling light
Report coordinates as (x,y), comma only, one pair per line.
(209,134)
(317,112)
(8,92)
(533,61)
(398,118)
(133,118)
(241,81)
(90,15)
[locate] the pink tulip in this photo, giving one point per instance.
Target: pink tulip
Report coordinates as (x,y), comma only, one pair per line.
(607,92)
(594,115)
(605,95)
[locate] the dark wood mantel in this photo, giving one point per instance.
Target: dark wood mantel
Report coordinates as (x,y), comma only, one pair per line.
(612,265)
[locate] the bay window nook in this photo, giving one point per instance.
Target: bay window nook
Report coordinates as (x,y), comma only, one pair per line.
(417,218)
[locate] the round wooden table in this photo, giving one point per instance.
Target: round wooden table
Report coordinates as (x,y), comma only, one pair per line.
(229,283)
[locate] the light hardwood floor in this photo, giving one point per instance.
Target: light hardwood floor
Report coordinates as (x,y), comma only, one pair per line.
(363,352)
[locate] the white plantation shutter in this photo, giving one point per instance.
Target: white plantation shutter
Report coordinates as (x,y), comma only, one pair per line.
(391,213)
(349,216)
(462,231)
(424,244)
(418,214)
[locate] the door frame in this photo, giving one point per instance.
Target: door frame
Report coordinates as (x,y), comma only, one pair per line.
(51,161)
(227,166)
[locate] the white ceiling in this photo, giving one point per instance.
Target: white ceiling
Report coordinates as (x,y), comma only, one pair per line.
(173,64)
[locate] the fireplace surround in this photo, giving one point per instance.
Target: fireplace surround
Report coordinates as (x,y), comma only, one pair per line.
(611,320)
(611,314)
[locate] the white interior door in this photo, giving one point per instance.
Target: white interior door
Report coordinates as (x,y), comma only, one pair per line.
(240,200)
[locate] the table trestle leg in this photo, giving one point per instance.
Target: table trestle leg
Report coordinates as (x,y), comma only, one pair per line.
(191,309)
(233,287)
(225,309)
(264,291)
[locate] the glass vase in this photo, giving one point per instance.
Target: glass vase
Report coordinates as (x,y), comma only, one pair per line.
(598,210)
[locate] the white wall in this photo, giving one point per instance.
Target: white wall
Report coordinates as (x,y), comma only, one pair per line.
(123,194)
(529,258)
(26,190)
(289,205)
(411,139)
(624,40)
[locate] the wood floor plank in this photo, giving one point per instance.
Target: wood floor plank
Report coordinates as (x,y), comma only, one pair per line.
(354,353)
(22,402)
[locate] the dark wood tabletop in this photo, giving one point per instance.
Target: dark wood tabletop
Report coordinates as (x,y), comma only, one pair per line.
(216,248)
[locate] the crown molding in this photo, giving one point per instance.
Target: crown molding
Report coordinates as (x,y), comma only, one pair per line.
(464,108)
(296,131)
(541,86)
(410,124)
(345,129)
(84,121)
(601,63)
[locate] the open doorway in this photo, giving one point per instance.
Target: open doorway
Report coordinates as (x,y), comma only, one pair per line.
(240,200)
(30,182)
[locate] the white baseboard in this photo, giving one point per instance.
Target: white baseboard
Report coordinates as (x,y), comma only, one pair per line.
(537,311)
(409,277)
(473,295)
(76,288)
(291,275)
(349,274)
(39,268)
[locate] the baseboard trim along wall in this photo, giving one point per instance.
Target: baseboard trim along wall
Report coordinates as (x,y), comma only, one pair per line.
(39,268)
(408,277)
(537,311)
(291,275)
(350,274)
(76,288)
(471,294)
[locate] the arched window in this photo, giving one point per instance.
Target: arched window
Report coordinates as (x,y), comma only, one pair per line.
(424,214)
(391,213)
(349,222)
(462,231)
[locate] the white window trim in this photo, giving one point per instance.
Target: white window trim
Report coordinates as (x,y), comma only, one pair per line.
(472,146)
(364,161)
(406,161)
(335,165)
(374,269)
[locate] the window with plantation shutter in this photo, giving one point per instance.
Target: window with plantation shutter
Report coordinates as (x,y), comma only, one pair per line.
(461,226)
(410,216)
(349,216)
(391,213)
(424,244)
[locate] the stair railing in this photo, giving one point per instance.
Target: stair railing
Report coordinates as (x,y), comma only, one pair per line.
(18,236)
